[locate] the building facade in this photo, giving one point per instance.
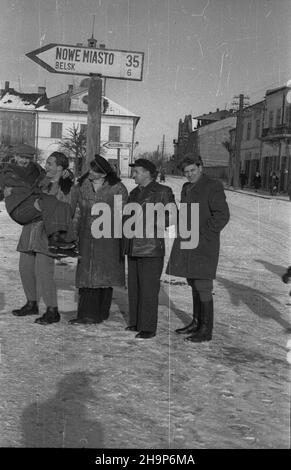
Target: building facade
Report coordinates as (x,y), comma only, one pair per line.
(251,143)
(276,137)
(265,143)
(48,121)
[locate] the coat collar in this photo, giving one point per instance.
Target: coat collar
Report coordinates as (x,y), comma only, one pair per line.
(201,182)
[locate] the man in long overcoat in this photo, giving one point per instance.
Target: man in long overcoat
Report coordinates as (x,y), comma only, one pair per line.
(198,265)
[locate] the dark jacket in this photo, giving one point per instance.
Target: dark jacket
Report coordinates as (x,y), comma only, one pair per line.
(23,180)
(148,247)
(257,182)
(201,262)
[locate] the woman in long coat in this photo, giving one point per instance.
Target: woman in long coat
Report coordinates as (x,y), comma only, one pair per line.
(101,266)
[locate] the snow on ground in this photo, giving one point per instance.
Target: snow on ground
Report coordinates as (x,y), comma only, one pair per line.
(96,386)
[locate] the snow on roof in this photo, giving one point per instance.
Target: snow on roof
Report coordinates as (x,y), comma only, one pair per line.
(26,101)
(115,108)
(79,102)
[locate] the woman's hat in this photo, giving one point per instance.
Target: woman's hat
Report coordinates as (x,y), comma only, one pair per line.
(102,164)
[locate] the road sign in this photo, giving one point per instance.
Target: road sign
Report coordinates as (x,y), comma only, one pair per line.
(75,60)
(117,145)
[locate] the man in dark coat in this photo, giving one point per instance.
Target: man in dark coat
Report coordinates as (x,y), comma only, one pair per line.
(257,181)
(145,254)
(198,265)
(243,179)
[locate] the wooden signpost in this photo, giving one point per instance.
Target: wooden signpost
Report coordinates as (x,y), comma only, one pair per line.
(95,63)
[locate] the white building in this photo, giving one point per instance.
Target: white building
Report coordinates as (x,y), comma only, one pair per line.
(62,112)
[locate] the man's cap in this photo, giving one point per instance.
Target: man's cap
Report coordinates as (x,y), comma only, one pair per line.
(146,164)
(24,150)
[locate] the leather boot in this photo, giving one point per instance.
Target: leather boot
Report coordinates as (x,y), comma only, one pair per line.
(50,316)
(194,325)
(204,332)
(106,300)
(30,308)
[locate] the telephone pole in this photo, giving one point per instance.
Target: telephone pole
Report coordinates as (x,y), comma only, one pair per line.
(163,148)
(238,139)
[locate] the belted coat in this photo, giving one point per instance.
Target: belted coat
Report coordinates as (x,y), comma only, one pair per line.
(101,263)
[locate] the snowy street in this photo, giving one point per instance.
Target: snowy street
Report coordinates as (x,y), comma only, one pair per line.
(96,386)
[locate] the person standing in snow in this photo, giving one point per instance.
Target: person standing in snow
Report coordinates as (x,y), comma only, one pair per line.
(198,265)
(36,262)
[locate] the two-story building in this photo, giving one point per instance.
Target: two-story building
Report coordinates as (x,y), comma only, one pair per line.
(69,109)
(276,137)
(45,122)
(251,143)
(209,140)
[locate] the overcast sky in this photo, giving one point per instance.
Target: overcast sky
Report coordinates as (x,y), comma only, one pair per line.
(198,53)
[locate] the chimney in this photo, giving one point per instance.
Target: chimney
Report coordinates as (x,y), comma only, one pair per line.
(92,42)
(70,89)
(79,44)
(6,86)
(41,90)
(102,46)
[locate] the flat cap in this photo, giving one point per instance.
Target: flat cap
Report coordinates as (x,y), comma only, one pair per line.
(146,164)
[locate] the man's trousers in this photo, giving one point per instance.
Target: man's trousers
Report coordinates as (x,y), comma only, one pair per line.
(143,291)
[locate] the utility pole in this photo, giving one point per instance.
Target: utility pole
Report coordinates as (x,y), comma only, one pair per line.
(163,148)
(94,110)
(93,119)
(238,139)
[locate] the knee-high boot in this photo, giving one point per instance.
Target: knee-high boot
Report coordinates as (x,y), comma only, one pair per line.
(204,332)
(194,325)
(106,299)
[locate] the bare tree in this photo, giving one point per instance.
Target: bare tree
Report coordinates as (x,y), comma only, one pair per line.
(74,146)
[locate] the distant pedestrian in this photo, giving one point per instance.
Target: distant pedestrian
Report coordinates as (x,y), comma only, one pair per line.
(162,176)
(257,181)
(198,265)
(274,184)
(243,179)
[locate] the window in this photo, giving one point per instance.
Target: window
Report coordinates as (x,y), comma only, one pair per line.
(258,125)
(114,134)
(278,117)
(56,130)
(83,128)
(249,127)
(271,118)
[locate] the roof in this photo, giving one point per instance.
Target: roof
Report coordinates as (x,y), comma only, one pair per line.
(275,90)
(216,116)
(77,103)
(12,99)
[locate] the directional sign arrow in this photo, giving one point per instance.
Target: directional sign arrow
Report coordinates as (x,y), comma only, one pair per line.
(75,60)
(117,145)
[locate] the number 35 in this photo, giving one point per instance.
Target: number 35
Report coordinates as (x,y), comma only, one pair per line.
(132,61)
